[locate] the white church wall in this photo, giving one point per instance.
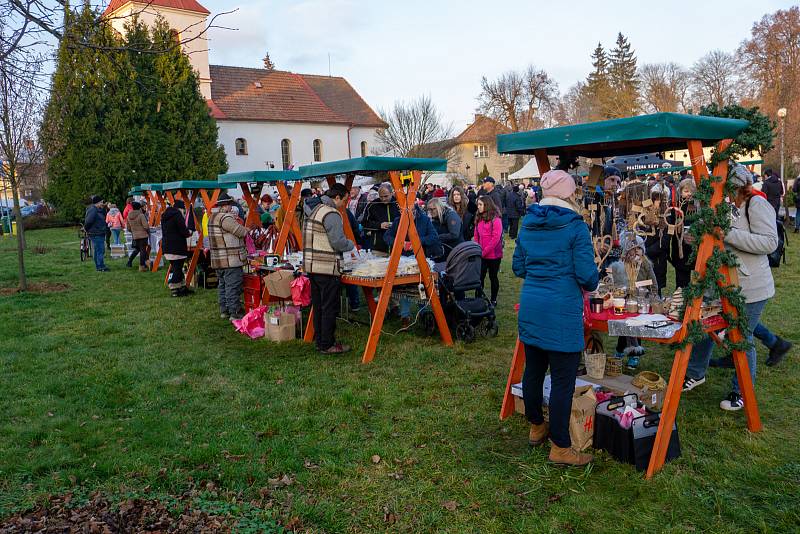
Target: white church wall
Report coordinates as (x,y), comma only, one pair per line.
(359,135)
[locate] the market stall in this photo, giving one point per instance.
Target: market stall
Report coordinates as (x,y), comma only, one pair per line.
(190,191)
(650,133)
(405,175)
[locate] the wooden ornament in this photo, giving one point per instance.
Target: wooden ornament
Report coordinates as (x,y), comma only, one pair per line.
(598,244)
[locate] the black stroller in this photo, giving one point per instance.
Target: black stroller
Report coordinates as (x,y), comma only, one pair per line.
(467,316)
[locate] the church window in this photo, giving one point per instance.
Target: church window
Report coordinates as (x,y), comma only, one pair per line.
(317,150)
(286,153)
(241,147)
(363,149)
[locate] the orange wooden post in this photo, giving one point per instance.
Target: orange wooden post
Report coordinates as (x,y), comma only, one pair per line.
(289,203)
(198,225)
(251,197)
(706,248)
(517,367)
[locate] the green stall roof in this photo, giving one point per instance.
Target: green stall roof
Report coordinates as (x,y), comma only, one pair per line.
(689,167)
(152,187)
(616,137)
(259,177)
(135,190)
(372,164)
(193,184)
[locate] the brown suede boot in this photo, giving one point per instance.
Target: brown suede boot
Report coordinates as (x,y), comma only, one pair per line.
(538,434)
(568,456)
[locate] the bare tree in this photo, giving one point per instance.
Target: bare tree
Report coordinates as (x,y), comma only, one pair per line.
(415,129)
(20,113)
(715,78)
(520,100)
(575,106)
(665,87)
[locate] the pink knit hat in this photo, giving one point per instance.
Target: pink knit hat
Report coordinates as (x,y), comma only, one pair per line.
(557,184)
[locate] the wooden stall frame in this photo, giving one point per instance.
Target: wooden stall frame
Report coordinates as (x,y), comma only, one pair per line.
(406,200)
(681,360)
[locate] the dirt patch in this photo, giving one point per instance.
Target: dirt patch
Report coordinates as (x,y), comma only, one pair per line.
(37,288)
(99,516)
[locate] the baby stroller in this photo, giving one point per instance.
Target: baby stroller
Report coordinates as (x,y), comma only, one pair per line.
(467,316)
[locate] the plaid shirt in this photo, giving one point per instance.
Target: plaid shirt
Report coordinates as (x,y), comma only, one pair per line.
(226,239)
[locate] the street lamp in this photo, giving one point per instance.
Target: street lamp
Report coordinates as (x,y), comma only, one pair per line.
(782,117)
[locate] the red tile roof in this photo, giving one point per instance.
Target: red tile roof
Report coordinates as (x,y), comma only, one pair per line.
(286,97)
(483,129)
(185,5)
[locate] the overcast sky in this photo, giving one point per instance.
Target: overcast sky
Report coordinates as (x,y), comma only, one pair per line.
(397,50)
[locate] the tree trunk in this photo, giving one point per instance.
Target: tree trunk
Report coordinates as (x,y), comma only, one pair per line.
(23,280)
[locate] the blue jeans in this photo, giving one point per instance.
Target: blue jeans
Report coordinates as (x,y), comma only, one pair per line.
(405,307)
(766,337)
(797,219)
(701,352)
(116,235)
(504,219)
(352,296)
(99,246)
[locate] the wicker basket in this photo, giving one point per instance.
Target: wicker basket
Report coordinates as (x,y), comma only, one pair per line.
(650,381)
(595,365)
(613,366)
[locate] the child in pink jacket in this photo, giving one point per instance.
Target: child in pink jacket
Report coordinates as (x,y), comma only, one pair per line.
(115,222)
(489,235)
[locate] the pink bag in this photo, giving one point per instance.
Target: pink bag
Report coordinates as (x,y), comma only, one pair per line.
(252,324)
(301,291)
(249,244)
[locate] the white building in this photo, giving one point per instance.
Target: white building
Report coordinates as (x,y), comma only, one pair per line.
(268,119)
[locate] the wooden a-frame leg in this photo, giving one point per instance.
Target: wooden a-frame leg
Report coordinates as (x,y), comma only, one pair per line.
(198,225)
(289,203)
(308,337)
(514,376)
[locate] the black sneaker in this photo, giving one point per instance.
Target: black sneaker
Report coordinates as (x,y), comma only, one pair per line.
(732,402)
(691,383)
(778,352)
(726,362)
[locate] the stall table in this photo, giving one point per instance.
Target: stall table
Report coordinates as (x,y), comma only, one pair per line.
(189,191)
(406,196)
(252,183)
(648,133)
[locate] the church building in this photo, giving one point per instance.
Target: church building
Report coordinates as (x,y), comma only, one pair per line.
(267,118)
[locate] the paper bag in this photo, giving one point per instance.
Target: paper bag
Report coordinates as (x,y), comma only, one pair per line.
(279,284)
(284,330)
(581,420)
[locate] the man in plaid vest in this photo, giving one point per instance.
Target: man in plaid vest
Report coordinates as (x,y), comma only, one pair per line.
(228,255)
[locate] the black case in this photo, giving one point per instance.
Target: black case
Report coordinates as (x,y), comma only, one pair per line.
(633,445)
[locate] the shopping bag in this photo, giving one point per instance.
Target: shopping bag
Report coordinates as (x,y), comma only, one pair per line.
(609,436)
(581,419)
(644,436)
(252,324)
(301,291)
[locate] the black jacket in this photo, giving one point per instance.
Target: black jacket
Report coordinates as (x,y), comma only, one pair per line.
(95,221)
(497,197)
(515,205)
(174,232)
(376,213)
(773,188)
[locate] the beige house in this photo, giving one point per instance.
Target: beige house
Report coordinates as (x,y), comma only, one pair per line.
(476,146)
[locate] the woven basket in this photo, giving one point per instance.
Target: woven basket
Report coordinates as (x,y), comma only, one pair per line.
(650,381)
(613,366)
(595,365)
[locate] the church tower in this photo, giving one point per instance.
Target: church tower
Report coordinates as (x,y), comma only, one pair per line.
(186,17)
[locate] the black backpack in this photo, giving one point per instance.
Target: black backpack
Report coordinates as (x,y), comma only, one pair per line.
(779,253)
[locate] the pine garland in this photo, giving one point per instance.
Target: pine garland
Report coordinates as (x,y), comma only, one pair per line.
(711,221)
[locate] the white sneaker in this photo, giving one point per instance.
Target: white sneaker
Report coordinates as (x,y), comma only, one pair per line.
(732,402)
(691,383)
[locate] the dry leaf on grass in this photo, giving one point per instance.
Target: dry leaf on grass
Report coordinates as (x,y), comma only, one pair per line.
(450,505)
(376,459)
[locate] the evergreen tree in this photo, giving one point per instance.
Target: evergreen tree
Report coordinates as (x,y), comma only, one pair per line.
(597,90)
(86,132)
(483,174)
(623,79)
(268,63)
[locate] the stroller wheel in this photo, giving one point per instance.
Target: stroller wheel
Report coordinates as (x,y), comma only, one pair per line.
(491,328)
(465,332)
(427,323)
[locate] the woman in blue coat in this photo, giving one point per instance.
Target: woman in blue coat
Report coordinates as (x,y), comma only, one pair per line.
(554,256)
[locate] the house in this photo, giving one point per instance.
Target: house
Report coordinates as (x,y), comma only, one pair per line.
(267,119)
(475,147)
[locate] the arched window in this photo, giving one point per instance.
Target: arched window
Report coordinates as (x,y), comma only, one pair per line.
(241,146)
(317,150)
(286,153)
(363,149)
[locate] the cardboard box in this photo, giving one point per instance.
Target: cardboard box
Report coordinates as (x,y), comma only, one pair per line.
(280,328)
(279,284)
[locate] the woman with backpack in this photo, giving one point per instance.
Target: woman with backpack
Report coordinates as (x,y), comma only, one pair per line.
(489,235)
(752,236)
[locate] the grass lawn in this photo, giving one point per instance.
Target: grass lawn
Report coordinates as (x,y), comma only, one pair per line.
(114,386)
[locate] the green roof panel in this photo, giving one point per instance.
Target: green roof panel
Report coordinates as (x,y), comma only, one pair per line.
(645,133)
(259,177)
(194,184)
(152,187)
(371,164)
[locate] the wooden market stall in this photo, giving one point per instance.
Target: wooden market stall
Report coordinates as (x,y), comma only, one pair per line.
(189,191)
(648,133)
(405,175)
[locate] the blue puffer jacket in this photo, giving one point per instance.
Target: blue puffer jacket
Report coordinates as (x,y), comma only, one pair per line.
(554,255)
